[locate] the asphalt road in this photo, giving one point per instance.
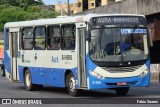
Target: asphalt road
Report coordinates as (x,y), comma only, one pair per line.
(17,90)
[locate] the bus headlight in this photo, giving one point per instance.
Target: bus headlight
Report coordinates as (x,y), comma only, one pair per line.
(144,73)
(93,73)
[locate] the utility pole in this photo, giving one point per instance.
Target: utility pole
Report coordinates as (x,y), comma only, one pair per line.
(61,7)
(68,8)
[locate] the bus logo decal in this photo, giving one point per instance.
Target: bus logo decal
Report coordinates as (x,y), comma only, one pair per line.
(55,59)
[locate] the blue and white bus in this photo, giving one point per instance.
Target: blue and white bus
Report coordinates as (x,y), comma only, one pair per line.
(95,51)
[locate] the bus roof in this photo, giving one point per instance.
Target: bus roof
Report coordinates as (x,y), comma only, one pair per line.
(60,20)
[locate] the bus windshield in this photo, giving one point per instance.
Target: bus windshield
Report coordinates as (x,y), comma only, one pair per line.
(118,44)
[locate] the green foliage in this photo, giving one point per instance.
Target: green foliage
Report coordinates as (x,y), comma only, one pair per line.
(21,3)
(21,10)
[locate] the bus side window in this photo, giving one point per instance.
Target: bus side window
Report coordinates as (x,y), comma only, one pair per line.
(40,33)
(7,39)
(68,37)
(27,40)
(53,37)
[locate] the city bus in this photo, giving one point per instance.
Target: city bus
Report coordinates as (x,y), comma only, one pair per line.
(86,52)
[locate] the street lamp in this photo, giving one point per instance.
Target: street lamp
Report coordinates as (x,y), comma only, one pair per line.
(45,5)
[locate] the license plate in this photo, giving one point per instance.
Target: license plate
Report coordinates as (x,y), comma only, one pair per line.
(121,83)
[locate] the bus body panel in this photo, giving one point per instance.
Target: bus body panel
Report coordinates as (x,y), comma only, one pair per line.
(48,67)
(47,76)
(112,82)
(111,79)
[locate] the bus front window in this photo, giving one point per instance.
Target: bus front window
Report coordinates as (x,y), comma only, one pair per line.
(118,45)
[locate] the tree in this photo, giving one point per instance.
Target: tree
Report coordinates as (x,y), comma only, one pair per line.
(21,10)
(21,3)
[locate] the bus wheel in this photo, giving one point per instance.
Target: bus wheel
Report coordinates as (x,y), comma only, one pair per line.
(28,81)
(2,71)
(71,85)
(122,91)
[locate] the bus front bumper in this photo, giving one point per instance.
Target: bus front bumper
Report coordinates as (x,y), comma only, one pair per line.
(136,81)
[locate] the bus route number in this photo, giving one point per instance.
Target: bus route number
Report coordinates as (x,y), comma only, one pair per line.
(96,82)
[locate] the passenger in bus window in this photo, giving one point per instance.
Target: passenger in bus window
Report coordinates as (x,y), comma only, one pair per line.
(118,50)
(125,45)
(58,43)
(139,43)
(68,44)
(55,43)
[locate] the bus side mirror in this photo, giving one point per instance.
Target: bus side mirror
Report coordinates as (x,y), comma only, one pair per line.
(88,36)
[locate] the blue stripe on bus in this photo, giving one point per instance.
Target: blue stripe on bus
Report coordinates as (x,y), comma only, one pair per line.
(7,62)
(90,64)
(148,63)
(48,76)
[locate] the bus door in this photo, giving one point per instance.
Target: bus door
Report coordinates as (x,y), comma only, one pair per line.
(82,55)
(14,54)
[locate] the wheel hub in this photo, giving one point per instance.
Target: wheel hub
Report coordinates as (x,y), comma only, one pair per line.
(28,80)
(72,84)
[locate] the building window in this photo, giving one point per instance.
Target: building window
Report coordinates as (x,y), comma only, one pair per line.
(97,3)
(7,39)
(68,37)
(27,42)
(92,4)
(53,38)
(40,33)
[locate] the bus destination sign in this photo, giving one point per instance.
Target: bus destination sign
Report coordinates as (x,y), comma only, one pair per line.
(112,20)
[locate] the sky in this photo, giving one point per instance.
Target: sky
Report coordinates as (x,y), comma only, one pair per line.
(51,2)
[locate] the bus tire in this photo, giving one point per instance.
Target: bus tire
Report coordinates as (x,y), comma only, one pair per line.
(122,91)
(2,71)
(28,81)
(71,85)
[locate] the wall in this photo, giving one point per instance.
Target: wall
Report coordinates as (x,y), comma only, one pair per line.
(103,2)
(80,3)
(90,2)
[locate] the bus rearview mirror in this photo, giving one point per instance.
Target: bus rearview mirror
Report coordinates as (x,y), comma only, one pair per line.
(88,36)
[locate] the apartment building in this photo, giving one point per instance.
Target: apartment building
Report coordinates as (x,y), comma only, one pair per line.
(82,5)
(90,4)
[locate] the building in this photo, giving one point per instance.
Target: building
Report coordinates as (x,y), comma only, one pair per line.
(90,4)
(63,8)
(81,5)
